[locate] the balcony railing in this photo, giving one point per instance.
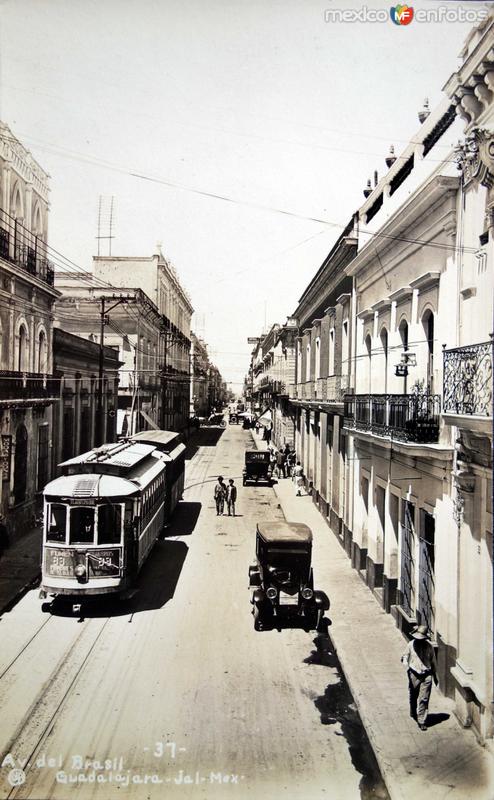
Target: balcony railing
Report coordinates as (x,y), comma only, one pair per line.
(323,390)
(467,380)
(24,249)
(27,385)
(405,417)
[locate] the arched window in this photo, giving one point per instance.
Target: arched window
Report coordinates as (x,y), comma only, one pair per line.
(317,369)
(331,352)
(23,350)
(37,226)
(368,350)
(16,204)
(20,464)
(384,345)
(403,331)
(428,323)
(42,353)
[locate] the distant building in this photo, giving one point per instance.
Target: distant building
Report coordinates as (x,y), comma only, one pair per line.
(28,388)
(159,281)
(133,326)
(199,384)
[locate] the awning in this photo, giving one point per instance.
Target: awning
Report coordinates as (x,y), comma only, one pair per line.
(265,419)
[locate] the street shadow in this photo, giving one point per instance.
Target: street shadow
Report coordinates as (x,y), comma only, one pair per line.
(436,719)
(155,586)
(336,706)
(204,437)
(184,519)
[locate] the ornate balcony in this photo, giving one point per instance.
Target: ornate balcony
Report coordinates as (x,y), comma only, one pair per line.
(404,417)
(467,380)
(27,388)
(19,246)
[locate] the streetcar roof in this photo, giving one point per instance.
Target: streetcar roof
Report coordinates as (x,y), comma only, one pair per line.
(90,486)
(99,484)
(160,439)
(293,532)
(109,458)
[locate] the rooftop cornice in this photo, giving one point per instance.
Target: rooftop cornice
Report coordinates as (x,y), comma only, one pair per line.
(436,189)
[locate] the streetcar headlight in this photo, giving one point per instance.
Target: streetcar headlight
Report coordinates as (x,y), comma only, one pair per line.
(307,593)
(80,572)
(271,593)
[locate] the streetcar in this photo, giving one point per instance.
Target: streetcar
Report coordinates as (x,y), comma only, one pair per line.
(106,511)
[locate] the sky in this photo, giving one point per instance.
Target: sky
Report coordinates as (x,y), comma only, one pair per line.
(164,103)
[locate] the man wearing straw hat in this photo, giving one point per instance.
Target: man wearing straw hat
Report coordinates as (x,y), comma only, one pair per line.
(420,660)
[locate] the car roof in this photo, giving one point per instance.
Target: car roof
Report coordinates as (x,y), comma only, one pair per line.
(285,532)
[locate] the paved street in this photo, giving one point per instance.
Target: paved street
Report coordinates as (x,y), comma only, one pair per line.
(175,689)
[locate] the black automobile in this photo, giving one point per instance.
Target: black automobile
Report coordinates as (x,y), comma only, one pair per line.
(233,418)
(282,581)
(257,466)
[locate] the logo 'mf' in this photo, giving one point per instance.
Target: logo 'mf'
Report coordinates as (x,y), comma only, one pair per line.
(401,15)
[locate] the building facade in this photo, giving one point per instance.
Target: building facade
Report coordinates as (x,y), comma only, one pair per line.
(132,325)
(393,388)
(159,281)
(28,387)
(76,362)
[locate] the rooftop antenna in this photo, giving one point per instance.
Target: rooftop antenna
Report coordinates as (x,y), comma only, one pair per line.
(106,206)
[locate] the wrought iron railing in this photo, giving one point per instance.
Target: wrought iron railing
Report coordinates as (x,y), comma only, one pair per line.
(467,380)
(27,385)
(22,248)
(406,417)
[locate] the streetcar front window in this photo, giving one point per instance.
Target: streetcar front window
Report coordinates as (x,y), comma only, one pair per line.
(109,524)
(57,523)
(81,525)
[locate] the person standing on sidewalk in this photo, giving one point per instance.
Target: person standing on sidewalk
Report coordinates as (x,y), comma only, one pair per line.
(220,495)
(231,497)
(298,478)
(420,660)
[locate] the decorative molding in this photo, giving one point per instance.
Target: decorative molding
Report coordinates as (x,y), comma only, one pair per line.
(343,298)
(401,294)
(381,306)
(475,157)
(365,314)
(468,291)
(426,281)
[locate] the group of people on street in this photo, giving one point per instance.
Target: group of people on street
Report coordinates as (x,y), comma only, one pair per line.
(224,493)
(284,464)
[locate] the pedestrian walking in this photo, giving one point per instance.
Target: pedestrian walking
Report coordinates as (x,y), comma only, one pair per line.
(298,478)
(280,464)
(420,660)
(268,435)
(220,495)
(231,497)
(290,462)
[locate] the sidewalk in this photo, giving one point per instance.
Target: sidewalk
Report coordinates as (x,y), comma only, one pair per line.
(20,566)
(443,762)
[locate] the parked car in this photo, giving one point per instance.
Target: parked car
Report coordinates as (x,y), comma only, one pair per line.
(233,418)
(257,466)
(282,580)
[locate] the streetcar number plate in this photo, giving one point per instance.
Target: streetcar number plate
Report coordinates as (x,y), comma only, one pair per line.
(59,563)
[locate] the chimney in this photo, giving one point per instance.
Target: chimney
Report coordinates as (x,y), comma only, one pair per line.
(424,113)
(368,189)
(376,178)
(390,158)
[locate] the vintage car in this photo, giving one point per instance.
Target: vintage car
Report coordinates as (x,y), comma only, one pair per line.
(282,581)
(233,418)
(257,466)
